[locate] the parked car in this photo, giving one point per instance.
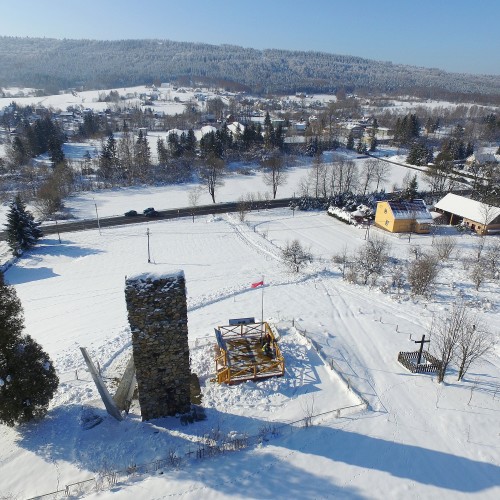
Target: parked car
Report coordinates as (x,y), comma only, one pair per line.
(146,210)
(130,213)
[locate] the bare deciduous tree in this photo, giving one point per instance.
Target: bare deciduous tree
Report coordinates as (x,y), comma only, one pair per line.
(342,259)
(492,260)
(446,335)
(422,274)
(368,174)
(444,247)
(415,251)
(475,341)
(295,256)
(50,194)
(398,278)
(194,196)
(382,171)
(477,273)
(480,244)
(317,177)
(343,176)
(244,204)
(211,173)
(274,172)
(372,257)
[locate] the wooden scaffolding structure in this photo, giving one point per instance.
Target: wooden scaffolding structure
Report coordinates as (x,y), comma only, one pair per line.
(239,353)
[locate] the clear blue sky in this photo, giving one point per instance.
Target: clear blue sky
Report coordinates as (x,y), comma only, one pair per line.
(454,35)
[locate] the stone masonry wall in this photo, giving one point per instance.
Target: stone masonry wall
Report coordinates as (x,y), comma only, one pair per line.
(157,314)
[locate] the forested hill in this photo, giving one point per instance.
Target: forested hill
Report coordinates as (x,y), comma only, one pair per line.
(53,64)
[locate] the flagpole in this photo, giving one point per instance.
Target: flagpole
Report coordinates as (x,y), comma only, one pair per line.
(262,304)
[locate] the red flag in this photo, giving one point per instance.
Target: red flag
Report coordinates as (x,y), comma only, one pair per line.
(259,283)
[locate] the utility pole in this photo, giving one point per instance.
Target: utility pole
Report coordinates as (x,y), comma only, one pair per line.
(97,215)
(149,255)
(58,234)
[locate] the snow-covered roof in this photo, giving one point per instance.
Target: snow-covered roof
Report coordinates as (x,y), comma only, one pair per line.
(236,128)
(482,157)
(156,275)
(470,209)
(177,132)
(207,129)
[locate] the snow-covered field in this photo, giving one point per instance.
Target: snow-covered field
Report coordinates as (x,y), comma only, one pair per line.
(417,438)
(236,185)
(90,99)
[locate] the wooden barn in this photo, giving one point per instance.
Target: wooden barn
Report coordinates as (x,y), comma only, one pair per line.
(403,216)
(479,217)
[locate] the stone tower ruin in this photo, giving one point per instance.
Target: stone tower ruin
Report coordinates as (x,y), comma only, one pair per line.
(157,314)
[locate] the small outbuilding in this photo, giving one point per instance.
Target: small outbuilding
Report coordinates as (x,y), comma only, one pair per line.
(403,216)
(479,217)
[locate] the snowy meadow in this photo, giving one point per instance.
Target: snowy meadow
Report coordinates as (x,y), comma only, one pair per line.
(416,436)
(345,421)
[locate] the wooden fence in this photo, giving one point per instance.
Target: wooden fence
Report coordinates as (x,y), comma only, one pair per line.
(409,361)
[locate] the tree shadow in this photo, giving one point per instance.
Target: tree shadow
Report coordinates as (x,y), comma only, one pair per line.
(409,462)
(29,271)
(20,275)
(63,248)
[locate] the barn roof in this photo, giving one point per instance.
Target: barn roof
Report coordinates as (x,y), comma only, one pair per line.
(470,209)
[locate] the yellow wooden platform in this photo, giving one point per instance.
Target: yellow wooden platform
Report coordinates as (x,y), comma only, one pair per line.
(239,355)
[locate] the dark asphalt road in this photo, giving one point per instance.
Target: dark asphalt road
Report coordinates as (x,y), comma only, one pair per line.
(217,208)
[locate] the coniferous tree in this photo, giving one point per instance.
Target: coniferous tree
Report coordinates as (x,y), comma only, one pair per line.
(17,154)
(190,145)
(411,188)
(56,153)
(407,129)
(108,159)
(269,136)
(419,154)
(174,145)
(28,379)
(350,141)
(162,151)
(361,147)
(142,155)
(21,228)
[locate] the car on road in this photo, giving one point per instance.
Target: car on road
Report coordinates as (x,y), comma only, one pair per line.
(150,212)
(130,213)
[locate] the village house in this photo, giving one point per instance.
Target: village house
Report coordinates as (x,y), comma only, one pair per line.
(479,217)
(403,216)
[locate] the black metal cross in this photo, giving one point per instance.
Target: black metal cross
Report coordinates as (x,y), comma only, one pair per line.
(421,342)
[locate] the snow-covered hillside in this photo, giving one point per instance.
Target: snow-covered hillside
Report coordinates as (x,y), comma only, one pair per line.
(417,438)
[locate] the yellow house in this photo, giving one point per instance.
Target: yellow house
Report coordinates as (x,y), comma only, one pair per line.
(403,216)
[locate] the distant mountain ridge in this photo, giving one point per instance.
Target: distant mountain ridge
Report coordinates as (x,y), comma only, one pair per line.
(56,64)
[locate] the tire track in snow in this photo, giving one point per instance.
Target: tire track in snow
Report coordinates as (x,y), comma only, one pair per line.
(359,370)
(254,239)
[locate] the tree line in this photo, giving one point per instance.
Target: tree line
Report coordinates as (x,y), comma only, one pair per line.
(52,64)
